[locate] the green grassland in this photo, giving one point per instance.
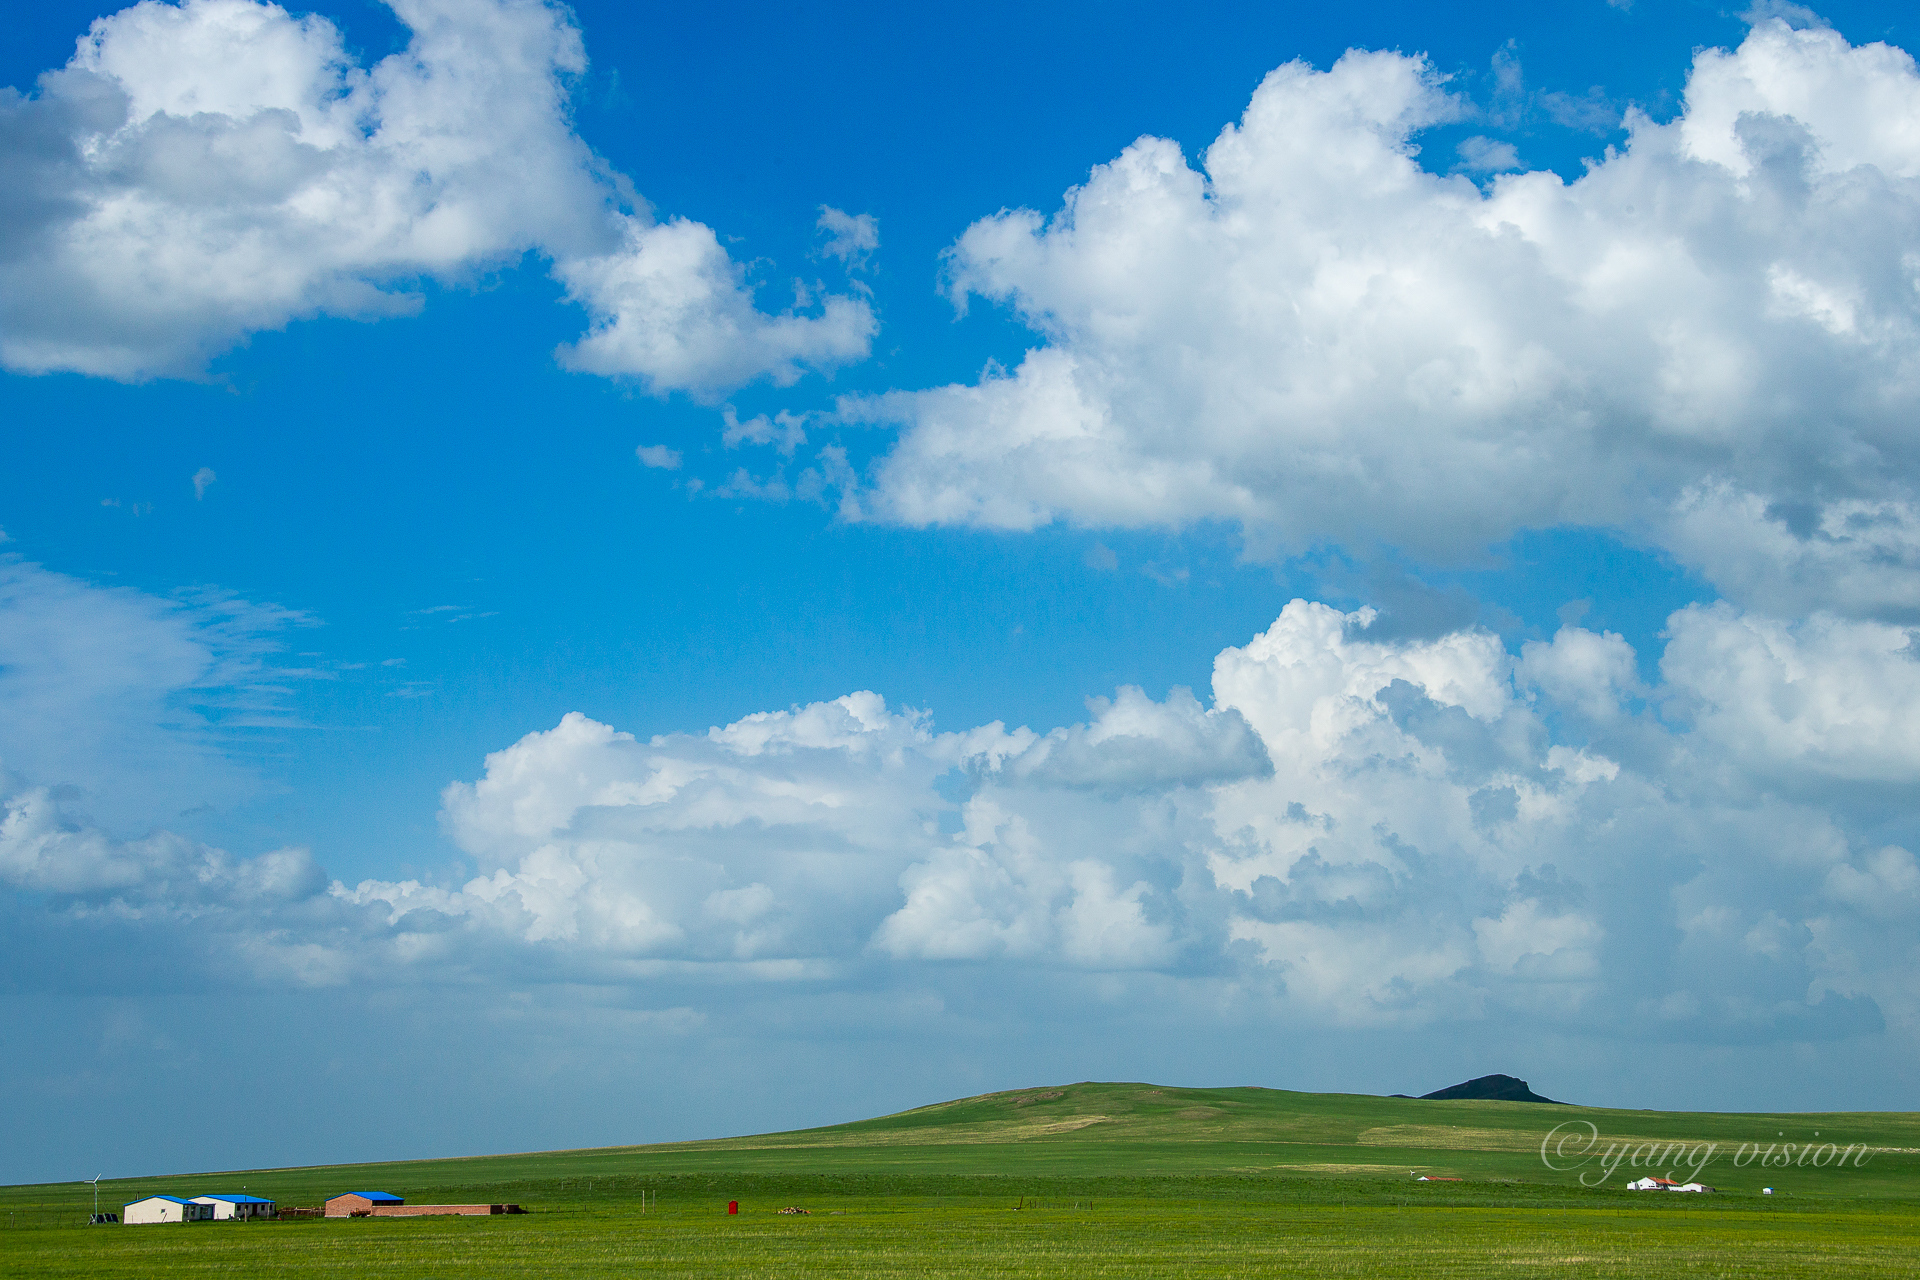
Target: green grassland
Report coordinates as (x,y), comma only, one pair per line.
(1079,1180)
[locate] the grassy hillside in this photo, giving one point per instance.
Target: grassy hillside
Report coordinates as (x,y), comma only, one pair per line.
(1134,1129)
(1079,1179)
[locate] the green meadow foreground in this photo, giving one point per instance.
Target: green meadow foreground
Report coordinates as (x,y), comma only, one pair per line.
(1081,1180)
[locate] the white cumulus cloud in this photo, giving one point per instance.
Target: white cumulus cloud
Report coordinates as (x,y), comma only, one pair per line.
(1373,832)
(1360,832)
(1826,694)
(669,306)
(1310,335)
(201,171)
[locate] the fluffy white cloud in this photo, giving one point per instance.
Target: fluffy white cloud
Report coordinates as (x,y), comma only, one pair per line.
(852,238)
(1134,743)
(1855,555)
(166,904)
(199,172)
(1369,832)
(1579,670)
(1314,337)
(771,839)
(44,847)
(1003,890)
(1825,695)
(668,305)
(1352,832)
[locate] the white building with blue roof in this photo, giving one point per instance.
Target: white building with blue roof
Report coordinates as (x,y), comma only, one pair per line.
(164,1209)
(237,1206)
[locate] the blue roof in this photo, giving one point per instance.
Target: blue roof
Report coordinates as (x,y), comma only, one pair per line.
(373,1195)
(236,1199)
(144,1199)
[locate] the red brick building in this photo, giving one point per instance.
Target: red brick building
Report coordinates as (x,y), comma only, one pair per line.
(379,1204)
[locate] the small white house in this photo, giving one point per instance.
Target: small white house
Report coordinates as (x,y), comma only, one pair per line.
(164,1209)
(237,1207)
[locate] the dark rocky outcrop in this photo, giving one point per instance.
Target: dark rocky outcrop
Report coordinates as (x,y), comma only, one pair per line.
(1495,1088)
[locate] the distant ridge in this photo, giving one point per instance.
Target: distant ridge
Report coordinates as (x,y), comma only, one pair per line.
(1494,1088)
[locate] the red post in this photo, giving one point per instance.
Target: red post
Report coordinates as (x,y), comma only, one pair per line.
(733,1206)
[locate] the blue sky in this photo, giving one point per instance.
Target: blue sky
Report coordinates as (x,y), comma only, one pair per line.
(401,406)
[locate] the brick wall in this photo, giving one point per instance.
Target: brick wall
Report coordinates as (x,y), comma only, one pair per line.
(347,1206)
(419,1210)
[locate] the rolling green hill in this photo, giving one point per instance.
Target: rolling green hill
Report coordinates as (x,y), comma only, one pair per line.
(961,1188)
(1137,1129)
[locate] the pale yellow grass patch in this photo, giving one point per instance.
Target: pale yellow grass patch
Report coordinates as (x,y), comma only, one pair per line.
(1445,1137)
(1448,1137)
(942,1135)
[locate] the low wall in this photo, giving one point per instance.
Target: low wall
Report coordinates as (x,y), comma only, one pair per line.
(424,1210)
